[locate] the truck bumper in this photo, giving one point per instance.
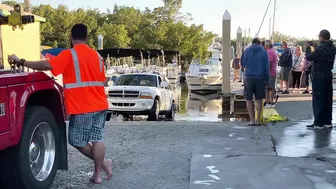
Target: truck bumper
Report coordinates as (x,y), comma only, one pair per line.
(135,107)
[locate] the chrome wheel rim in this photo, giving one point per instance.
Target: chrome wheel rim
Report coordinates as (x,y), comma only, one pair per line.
(42,151)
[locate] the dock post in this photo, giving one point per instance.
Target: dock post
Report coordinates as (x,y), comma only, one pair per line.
(100,42)
(226,49)
(239,42)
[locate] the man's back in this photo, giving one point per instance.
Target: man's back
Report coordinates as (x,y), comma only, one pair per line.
(89,97)
(272,58)
(236,63)
(323,57)
(256,62)
(286,59)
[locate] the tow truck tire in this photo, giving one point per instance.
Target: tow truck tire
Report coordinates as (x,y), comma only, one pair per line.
(40,138)
(155,111)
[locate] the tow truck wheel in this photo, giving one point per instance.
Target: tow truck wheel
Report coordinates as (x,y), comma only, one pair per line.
(36,156)
(154,112)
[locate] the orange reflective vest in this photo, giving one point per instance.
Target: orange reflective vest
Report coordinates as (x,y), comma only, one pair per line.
(84,89)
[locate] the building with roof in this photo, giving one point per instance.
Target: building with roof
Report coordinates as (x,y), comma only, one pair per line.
(25,43)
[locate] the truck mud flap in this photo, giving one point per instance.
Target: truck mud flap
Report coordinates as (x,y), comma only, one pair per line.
(108,116)
(63,151)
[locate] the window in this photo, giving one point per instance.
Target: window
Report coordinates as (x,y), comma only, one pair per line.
(160,80)
(137,80)
(113,78)
(106,81)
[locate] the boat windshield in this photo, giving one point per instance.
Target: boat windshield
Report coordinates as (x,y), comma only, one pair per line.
(212,61)
(137,80)
(209,61)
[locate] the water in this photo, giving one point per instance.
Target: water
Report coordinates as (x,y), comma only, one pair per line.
(191,106)
(197,107)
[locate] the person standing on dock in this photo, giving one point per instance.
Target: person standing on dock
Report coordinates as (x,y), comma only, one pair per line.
(236,67)
(255,63)
(307,65)
(272,59)
(285,62)
(298,63)
(323,59)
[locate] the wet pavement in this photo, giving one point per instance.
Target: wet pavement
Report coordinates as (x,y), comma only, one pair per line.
(209,154)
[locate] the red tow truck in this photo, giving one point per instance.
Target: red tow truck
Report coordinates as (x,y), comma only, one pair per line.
(33,143)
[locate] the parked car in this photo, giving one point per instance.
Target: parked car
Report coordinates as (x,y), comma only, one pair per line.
(142,94)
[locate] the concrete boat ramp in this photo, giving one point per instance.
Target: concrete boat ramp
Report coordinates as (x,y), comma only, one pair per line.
(260,172)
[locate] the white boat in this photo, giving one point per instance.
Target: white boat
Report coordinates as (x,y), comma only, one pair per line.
(205,77)
(172,73)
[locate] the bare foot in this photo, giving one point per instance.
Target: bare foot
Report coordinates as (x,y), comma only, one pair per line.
(107,167)
(96,179)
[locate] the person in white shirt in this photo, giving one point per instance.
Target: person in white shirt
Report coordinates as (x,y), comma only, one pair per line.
(298,62)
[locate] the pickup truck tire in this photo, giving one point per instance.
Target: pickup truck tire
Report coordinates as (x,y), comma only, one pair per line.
(154,113)
(171,113)
(127,117)
(36,156)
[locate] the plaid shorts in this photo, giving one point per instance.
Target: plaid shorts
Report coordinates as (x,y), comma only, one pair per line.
(85,128)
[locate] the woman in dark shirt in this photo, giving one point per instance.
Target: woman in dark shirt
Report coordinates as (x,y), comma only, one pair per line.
(307,65)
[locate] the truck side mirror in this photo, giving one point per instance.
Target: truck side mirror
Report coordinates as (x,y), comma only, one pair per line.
(110,83)
(164,84)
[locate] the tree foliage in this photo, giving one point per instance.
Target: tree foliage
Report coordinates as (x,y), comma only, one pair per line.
(163,27)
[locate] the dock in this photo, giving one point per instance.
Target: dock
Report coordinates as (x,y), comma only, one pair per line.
(238,110)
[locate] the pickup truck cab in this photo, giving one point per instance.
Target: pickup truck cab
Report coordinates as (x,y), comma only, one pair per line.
(33,143)
(142,94)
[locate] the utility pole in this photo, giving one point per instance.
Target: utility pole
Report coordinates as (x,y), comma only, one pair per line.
(264,17)
(269,30)
(27,6)
(273,21)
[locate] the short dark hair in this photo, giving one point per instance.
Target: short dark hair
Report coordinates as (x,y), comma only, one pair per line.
(268,43)
(256,41)
(325,34)
(79,32)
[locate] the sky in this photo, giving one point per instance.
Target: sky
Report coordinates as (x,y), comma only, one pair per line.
(298,18)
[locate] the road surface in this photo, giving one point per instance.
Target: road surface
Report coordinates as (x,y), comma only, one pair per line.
(197,155)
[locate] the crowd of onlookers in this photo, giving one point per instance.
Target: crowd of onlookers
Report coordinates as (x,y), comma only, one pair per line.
(294,67)
(257,68)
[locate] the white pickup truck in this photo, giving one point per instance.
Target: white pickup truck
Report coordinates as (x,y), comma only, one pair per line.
(141,94)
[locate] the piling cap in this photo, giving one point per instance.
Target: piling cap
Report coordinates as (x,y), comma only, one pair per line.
(239,30)
(227,15)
